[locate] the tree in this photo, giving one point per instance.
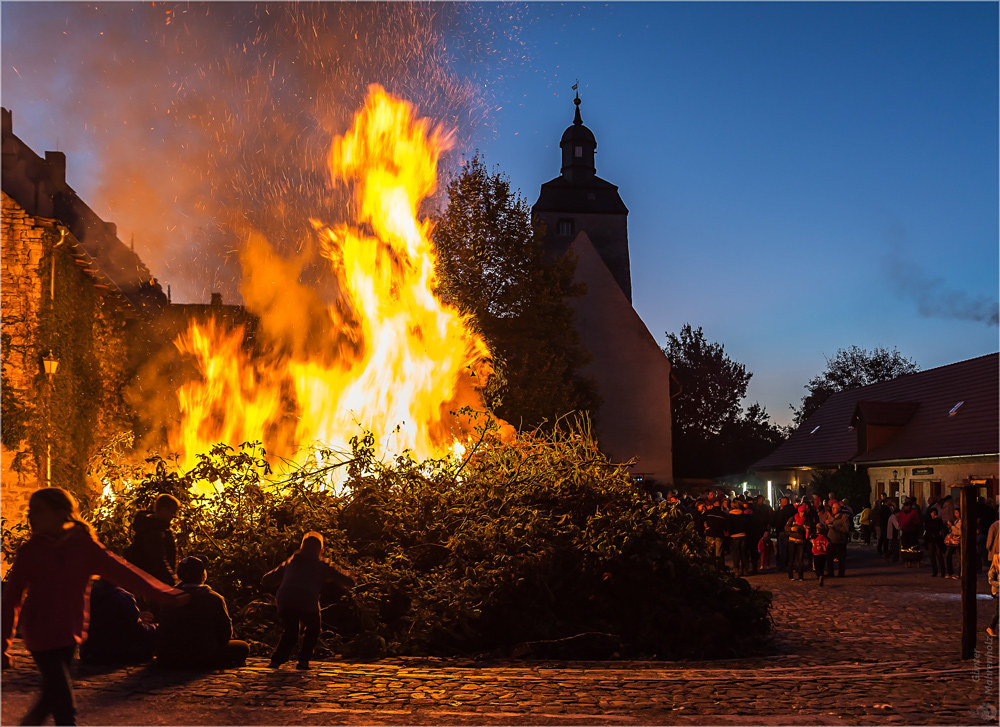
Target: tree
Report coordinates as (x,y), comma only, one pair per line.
(846,483)
(712,435)
(491,265)
(852,368)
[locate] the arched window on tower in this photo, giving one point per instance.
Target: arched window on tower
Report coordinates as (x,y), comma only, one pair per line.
(565,227)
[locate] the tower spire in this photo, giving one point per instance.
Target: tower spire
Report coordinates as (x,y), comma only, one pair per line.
(577,120)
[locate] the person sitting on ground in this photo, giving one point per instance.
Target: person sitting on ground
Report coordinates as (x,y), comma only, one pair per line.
(119,633)
(153,548)
(300,580)
(199,634)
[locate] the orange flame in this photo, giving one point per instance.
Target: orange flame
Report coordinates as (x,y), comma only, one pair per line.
(386,355)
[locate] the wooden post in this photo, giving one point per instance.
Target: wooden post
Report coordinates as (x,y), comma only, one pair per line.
(968,560)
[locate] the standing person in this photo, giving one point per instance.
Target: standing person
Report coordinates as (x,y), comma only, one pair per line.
(882,520)
(765,547)
(909,525)
(785,511)
(953,544)
(865,521)
(153,547)
(947,509)
(820,545)
(893,536)
(738,522)
(200,633)
(301,578)
(715,529)
(993,575)
(797,531)
(838,533)
(55,566)
(934,538)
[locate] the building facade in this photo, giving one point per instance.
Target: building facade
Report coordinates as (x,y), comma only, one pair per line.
(919,435)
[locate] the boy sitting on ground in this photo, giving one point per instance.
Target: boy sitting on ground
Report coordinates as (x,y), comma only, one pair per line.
(199,634)
(299,580)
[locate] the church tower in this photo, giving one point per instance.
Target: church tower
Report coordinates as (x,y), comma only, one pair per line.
(586,218)
(580,201)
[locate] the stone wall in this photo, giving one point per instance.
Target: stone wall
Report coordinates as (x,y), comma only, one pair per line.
(25,242)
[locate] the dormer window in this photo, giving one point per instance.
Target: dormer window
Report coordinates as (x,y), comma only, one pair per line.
(565,227)
(954,409)
(578,152)
(815,430)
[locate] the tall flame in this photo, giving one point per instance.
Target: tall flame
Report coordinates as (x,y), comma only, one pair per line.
(386,355)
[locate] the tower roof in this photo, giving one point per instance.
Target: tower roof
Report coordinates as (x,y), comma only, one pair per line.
(578,132)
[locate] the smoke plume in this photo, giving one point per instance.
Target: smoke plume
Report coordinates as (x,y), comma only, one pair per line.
(204,121)
(933,296)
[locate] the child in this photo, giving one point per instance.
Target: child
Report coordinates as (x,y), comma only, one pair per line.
(55,567)
(301,578)
(820,544)
(765,547)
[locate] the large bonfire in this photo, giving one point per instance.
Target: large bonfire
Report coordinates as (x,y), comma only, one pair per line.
(374,350)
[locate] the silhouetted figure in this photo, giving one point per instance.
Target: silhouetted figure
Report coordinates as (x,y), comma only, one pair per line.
(55,566)
(153,546)
(199,633)
(299,580)
(119,632)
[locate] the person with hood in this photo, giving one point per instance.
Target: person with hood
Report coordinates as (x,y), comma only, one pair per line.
(200,633)
(838,533)
(54,567)
(300,580)
(153,546)
(798,533)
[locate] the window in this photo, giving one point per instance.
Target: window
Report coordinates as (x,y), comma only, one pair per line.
(578,151)
(565,227)
(954,409)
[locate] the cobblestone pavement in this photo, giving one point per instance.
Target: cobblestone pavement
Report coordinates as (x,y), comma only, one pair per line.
(880,646)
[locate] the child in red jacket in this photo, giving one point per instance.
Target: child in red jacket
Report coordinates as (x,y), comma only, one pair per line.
(55,566)
(820,544)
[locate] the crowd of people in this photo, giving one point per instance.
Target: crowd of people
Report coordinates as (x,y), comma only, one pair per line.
(810,534)
(143,606)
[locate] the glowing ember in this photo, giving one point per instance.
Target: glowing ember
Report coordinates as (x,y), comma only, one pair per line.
(386,355)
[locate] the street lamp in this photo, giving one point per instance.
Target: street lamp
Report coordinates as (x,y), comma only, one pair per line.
(51,365)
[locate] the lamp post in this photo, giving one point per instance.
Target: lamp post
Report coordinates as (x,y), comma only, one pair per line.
(51,366)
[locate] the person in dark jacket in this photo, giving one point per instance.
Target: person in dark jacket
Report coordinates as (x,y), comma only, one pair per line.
(882,514)
(738,523)
(798,532)
(300,580)
(153,547)
(118,633)
(715,529)
(785,511)
(838,533)
(199,634)
(934,538)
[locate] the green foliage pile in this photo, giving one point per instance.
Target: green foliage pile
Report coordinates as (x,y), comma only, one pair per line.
(514,551)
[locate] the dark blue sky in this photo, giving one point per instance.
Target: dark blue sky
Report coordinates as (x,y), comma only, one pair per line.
(800,177)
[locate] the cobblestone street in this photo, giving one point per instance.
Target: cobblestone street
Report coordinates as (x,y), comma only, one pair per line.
(880,646)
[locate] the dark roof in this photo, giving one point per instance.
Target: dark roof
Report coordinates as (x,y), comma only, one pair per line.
(885,413)
(934,427)
(562,195)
